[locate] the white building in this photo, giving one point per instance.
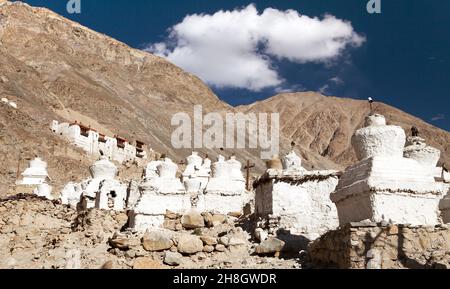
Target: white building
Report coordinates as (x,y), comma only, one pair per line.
(115,148)
(384,185)
(298,199)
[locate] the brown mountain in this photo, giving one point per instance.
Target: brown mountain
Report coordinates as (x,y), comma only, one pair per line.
(54,68)
(322,126)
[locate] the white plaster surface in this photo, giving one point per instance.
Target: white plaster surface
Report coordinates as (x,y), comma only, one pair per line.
(303,204)
(298,198)
(425,155)
(292,164)
(385,186)
(44,190)
(378,140)
(226,191)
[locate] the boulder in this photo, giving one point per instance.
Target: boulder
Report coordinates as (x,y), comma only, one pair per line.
(108,265)
(169,224)
(208,217)
(208,249)
(121,244)
(220,248)
(146,263)
(156,241)
(192,220)
(224,241)
(218,219)
(236,241)
(201,256)
(235,214)
(270,246)
(188,244)
(172,258)
(208,240)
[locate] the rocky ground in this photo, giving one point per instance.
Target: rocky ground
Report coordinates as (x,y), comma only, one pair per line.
(46,234)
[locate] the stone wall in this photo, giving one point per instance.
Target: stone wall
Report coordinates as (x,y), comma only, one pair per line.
(369,245)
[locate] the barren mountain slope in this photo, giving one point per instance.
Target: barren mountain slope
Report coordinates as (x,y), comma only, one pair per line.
(54,68)
(323,126)
(57,69)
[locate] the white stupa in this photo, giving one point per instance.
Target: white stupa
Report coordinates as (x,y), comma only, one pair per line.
(292,164)
(417,149)
(226,190)
(384,185)
(198,169)
(160,192)
(35,174)
(101,191)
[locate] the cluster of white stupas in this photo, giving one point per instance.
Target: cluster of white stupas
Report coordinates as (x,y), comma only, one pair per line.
(217,187)
(395,180)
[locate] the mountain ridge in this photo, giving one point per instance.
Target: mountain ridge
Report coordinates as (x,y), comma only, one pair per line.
(56,69)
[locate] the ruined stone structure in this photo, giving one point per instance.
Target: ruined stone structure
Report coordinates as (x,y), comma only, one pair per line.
(384,185)
(368,245)
(115,148)
(36,176)
(102,191)
(296,200)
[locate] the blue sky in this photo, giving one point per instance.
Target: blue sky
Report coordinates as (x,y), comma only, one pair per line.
(400,57)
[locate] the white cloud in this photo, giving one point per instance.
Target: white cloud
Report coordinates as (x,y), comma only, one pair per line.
(439,116)
(337,80)
(289,89)
(234,48)
(323,89)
